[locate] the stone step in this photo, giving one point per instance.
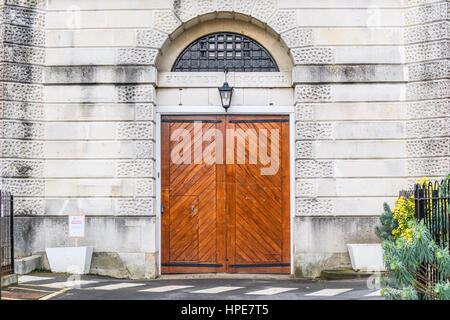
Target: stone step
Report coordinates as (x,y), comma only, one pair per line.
(27,264)
(345,274)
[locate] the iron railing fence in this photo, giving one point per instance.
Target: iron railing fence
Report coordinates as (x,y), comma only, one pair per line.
(431,205)
(6,233)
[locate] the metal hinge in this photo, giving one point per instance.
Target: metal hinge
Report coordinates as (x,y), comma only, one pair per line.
(162,208)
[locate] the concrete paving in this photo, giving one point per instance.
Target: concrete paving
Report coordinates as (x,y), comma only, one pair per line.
(89,287)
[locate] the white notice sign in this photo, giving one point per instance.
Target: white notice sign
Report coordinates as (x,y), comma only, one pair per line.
(76,226)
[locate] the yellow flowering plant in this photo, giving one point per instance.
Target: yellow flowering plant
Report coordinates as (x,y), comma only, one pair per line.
(404,213)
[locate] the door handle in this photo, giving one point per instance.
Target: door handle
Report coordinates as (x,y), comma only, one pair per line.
(194,210)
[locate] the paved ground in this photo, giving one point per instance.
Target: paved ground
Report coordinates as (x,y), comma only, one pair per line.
(63,287)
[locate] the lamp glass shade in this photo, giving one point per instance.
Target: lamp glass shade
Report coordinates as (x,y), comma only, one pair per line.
(226,92)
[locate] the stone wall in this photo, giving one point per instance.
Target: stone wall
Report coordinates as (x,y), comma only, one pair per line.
(427,53)
(368,79)
(22,55)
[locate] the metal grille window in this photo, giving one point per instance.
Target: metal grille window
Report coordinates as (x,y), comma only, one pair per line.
(214,52)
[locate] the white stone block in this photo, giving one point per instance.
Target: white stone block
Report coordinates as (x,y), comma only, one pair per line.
(80,169)
(89,188)
(359,149)
(216,79)
(99,93)
(168,97)
(312,93)
(348,73)
(194,96)
(367,92)
(281,97)
(84,206)
(366,256)
(350,18)
(75,260)
(80,130)
(83,94)
(368,187)
(99,19)
(368,54)
(282,4)
(210,97)
(91,149)
(58,5)
(370,168)
(100,74)
(91,38)
(361,206)
(357,36)
(80,56)
(369,130)
(99,188)
(352,111)
(255,97)
(353,187)
(90,112)
(340,206)
(100,206)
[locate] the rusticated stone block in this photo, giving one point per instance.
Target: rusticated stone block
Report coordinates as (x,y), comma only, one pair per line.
(145,150)
(313,55)
(21,73)
(313,130)
(135,168)
(21,149)
(313,169)
(264,9)
(428,147)
(314,207)
(304,150)
(23,35)
(24,187)
(136,130)
(428,128)
(283,20)
(298,37)
(136,56)
(429,167)
(428,32)
(312,93)
(139,93)
(21,92)
(165,20)
(23,17)
(426,14)
(428,90)
(35,4)
(150,38)
(22,54)
(21,130)
(428,109)
(136,207)
(427,51)
(22,168)
(14,110)
(429,70)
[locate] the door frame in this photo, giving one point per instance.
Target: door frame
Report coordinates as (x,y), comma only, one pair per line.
(234,110)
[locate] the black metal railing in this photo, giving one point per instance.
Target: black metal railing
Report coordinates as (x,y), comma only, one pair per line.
(6,233)
(431,206)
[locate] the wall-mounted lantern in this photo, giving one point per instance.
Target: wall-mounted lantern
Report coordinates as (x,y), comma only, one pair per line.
(226,92)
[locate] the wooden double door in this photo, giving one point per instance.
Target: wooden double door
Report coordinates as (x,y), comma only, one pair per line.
(225,194)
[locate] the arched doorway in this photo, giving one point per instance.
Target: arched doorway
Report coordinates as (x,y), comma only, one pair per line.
(224,216)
